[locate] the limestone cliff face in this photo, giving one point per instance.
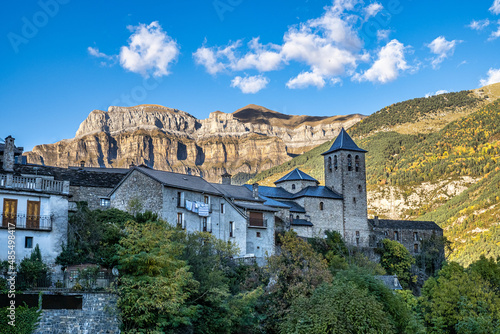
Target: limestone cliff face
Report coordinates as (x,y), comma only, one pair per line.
(249,140)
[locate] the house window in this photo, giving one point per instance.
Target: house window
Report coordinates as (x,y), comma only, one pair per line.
(349,162)
(415,248)
(297,217)
(335,163)
(360,188)
(258,234)
(357,234)
(415,236)
(385,233)
(396,236)
(256,219)
(33,215)
(357,238)
(204,223)
(330,164)
(231,229)
(321,206)
(356,163)
(9,212)
(105,202)
(28,242)
(354,200)
(180,220)
(222,208)
(293,186)
(180,199)
(206,199)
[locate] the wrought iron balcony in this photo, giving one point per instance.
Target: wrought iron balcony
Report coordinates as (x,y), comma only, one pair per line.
(26,222)
(9,181)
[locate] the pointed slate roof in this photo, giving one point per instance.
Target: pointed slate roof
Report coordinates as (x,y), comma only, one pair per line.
(344,142)
(296,175)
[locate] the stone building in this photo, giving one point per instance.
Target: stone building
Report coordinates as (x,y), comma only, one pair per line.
(231,213)
(410,234)
(35,207)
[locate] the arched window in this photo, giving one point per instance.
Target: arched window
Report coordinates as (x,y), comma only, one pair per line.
(349,162)
(330,164)
(293,186)
(321,206)
(356,163)
(297,217)
(335,163)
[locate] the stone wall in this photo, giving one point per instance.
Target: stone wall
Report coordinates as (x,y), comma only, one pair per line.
(99,314)
(91,195)
(138,186)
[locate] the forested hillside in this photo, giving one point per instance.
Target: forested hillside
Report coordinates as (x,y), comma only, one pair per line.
(399,164)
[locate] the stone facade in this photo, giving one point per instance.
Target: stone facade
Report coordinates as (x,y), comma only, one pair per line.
(138,187)
(91,195)
(99,315)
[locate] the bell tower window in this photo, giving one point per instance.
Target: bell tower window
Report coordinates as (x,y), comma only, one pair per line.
(293,186)
(330,164)
(335,162)
(356,163)
(349,162)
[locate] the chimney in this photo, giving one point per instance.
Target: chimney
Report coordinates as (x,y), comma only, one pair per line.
(255,190)
(375,220)
(226,178)
(8,154)
(132,165)
(82,164)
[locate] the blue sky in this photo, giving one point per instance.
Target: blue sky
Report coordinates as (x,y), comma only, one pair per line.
(61,59)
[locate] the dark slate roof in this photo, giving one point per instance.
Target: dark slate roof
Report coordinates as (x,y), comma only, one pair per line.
(104,178)
(296,175)
(294,207)
(344,142)
(404,224)
(101,169)
(319,191)
(273,192)
(301,222)
(274,203)
(236,192)
(257,207)
(181,181)
(390,281)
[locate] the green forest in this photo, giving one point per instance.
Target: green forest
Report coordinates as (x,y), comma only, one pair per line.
(174,282)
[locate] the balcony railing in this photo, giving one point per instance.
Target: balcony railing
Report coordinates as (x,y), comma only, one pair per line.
(33,183)
(26,222)
(257,222)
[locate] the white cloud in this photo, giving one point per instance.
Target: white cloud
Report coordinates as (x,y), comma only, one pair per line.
(391,60)
(439,92)
(250,84)
(495,34)
(479,25)
(306,79)
(261,57)
(495,8)
(150,51)
(96,53)
(442,48)
(493,77)
(372,10)
(383,34)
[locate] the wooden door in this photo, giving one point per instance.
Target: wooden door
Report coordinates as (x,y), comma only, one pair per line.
(33,215)
(9,212)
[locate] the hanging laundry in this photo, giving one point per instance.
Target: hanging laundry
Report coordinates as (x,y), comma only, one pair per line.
(189,205)
(203,210)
